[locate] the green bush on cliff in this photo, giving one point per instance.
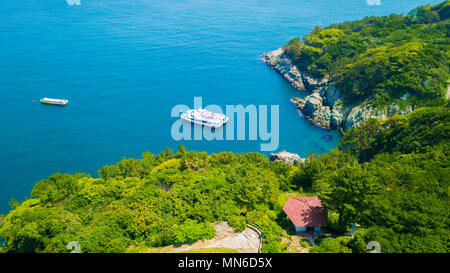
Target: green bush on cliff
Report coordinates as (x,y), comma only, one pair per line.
(191,231)
(330,245)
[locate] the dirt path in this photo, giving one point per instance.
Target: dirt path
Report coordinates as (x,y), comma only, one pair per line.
(247,241)
(294,244)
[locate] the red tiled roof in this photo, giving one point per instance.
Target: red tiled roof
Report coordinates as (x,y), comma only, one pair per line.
(306,212)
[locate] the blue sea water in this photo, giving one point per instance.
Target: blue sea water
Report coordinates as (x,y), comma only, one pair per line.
(124,64)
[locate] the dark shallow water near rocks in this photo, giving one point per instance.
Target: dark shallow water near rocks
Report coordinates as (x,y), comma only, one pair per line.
(124,64)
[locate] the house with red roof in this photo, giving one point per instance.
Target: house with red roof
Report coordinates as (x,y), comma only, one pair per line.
(306,213)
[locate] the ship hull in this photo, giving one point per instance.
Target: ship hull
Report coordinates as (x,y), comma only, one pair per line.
(60,103)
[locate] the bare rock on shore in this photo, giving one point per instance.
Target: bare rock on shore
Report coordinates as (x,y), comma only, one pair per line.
(312,107)
(328,111)
(279,62)
(286,157)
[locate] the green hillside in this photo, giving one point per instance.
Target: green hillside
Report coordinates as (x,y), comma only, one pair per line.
(382,59)
(391,177)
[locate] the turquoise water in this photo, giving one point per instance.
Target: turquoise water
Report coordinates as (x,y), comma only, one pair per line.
(124,64)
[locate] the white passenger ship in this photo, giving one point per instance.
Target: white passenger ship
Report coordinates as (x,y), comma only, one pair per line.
(54,101)
(203,117)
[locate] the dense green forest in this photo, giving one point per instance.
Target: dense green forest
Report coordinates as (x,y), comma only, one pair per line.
(391,177)
(382,59)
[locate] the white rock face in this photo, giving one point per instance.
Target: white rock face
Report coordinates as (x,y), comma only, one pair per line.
(331,94)
(361,113)
(285,157)
(278,61)
(314,109)
(313,103)
(337,116)
(357,115)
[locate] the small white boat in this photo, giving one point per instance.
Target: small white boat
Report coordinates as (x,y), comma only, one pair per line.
(54,101)
(203,117)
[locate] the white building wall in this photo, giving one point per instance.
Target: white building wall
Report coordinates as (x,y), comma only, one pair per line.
(300,229)
(303,229)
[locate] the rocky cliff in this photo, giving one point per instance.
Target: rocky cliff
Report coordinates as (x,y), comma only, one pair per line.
(286,157)
(324,105)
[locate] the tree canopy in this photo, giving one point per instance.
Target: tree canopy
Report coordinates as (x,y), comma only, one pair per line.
(382,59)
(391,177)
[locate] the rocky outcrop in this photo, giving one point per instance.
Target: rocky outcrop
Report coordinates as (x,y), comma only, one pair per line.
(325,108)
(285,157)
(324,105)
(280,63)
(364,112)
(278,60)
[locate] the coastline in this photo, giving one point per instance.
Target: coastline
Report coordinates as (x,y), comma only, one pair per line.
(324,106)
